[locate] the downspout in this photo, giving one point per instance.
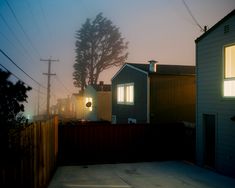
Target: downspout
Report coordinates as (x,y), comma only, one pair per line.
(148,98)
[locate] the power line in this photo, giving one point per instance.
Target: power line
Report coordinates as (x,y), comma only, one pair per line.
(21,80)
(22,28)
(59,80)
(14,34)
(20,68)
(192,16)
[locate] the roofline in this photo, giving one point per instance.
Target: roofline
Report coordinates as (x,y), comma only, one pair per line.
(215,26)
(131,66)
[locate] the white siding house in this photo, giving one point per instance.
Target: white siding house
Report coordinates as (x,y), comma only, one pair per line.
(215,102)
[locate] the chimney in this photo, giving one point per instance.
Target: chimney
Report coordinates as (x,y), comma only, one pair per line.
(153,66)
(101,85)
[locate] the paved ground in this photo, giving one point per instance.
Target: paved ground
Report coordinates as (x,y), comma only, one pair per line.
(139,175)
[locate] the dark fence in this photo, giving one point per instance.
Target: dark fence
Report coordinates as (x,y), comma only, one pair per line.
(82,143)
(31,156)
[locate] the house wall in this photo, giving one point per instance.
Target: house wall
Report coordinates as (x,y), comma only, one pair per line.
(172,98)
(137,111)
(104,105)
(210,100)
(90,115)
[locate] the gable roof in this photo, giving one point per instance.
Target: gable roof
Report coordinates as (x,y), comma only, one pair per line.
(232,13)
(143,68)
(161,69)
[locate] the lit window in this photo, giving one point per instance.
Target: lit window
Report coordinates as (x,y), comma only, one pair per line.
(229,71)
(88,103)
(120,93)
(130,93)
(125,93)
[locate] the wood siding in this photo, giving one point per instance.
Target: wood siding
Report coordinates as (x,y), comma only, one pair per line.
(172,98)
(210,100)
(104,105)
(138,110)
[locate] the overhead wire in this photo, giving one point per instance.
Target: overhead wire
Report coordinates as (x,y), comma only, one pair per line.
(192,16)
(22,28)
(21,80)
(21,68)
(59,80)
(17,39)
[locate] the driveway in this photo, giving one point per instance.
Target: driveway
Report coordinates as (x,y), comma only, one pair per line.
(139,175)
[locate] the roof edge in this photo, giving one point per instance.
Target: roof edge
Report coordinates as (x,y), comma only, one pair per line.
(131,66)
(215,26)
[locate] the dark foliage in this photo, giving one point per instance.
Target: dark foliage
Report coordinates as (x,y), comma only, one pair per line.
(12,96)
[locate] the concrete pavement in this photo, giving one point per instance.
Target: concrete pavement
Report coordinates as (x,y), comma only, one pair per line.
(175,174)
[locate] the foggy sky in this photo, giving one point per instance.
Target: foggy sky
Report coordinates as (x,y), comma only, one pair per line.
(155,29)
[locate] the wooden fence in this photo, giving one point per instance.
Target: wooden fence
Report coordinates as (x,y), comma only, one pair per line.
(81,143)
(31,158)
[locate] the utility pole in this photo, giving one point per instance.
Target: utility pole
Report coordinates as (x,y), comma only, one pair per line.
(49,74)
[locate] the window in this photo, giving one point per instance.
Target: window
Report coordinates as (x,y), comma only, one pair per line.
(120,93)
(130,93)
(125,93)
(229,71)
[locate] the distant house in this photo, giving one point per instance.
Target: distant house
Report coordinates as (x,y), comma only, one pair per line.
(215,112)
(78,106)
(63,108)
(150,93)
(97,104)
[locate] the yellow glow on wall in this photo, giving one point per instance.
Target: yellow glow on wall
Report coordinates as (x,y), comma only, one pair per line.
(87,100)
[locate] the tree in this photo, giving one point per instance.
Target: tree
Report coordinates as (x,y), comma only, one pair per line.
(99,46)
(12,96)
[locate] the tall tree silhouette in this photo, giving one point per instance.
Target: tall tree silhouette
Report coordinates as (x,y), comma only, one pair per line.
(99,46)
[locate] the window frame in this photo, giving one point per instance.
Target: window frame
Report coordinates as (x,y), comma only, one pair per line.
(226,78)
(126,98)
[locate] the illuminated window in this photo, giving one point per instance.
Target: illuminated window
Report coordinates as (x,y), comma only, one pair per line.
(120,93)
(229,71)
(130,93)
(125,93)
(88,103)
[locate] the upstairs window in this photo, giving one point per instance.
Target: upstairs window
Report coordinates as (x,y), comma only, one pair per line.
(229,71)
(125,93)
(120,93)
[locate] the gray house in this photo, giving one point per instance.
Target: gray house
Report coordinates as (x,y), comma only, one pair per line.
(97,102)
(215,107)
(152,93)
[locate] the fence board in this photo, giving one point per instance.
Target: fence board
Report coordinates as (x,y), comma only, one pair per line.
(31,157)
(104,143)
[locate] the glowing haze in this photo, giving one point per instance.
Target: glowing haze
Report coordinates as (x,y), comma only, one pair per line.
(155,29)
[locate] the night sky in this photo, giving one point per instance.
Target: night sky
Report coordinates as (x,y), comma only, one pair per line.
(155,29)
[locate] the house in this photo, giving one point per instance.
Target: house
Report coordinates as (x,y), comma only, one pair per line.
(78,106)
(63,108)
(151,93)
(215,107)
(97,99)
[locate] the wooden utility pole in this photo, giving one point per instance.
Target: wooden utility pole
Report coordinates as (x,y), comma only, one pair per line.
(49,74)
